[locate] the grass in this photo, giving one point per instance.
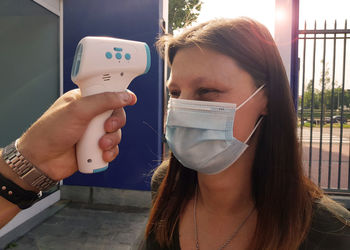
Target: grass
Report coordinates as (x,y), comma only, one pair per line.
(328,125)
(11,245)
(317,113)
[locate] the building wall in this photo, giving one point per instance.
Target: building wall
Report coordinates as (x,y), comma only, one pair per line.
(29,65)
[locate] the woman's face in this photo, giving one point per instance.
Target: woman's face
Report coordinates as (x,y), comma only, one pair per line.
(206,75)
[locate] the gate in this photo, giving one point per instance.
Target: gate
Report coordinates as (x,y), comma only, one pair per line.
(324,106)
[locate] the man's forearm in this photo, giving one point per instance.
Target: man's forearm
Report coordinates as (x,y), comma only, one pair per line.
(8,210)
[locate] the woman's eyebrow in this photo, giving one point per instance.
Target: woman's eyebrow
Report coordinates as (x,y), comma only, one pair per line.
(205,80)
(196,82)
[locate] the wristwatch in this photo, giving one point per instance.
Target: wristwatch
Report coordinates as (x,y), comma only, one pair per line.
(17,195)
(26,170)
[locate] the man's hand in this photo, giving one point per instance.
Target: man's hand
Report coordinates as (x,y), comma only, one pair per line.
(50,142)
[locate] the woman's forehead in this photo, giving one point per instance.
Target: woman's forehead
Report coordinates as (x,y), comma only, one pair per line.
(200,66)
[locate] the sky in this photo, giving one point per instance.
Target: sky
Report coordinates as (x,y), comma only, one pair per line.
(329,11)
(264,11)
(309,11)
(261,10)
(321,10)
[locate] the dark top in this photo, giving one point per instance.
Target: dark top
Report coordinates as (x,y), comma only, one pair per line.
(330,226)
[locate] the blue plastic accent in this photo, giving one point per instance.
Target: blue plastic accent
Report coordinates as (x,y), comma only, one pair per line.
(77,59)
(148,53)
(118,56)
(109,55)
(127,56)
(118,49)
(100,169)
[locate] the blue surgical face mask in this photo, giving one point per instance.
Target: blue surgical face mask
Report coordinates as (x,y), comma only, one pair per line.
(200,134)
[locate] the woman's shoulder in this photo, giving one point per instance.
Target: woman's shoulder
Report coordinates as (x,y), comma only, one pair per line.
(157,178)
(331,215)
(330,227)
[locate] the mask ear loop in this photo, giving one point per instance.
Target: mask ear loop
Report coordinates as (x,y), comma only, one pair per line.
(250,97)
(256,126)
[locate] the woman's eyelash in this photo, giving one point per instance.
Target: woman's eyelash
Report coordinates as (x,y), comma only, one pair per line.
(200,91)
(203,91)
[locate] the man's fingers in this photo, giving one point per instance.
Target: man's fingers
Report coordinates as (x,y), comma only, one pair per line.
(90,106)
(133,97)
(116,121)
(110,140)
(110,155)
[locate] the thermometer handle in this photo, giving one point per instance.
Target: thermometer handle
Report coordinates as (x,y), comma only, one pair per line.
(89,154)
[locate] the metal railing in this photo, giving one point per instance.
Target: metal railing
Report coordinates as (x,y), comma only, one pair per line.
(324,106)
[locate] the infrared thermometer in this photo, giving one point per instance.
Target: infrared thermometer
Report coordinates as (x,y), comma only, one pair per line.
(104,64)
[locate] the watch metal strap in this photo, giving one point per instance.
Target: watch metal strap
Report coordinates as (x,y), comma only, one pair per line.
(26,170)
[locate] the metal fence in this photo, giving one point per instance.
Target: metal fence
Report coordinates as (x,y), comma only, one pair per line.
(324,105)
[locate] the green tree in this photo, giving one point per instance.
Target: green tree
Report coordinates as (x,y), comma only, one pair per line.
(324,81)
(183,13)
(327,98)
(327,77)
(308,97)
(338,98)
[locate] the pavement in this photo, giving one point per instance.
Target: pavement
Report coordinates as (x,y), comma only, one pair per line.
(87,226)
(326,135)
(328,165)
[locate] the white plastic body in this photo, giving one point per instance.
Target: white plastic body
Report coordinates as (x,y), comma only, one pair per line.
(94,72)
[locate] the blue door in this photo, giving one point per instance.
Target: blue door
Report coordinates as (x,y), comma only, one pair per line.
(141,146)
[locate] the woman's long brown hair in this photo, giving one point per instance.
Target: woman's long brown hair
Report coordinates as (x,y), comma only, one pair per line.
(282,194)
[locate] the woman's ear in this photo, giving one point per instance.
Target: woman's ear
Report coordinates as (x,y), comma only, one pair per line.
(264,102)
(264,111)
